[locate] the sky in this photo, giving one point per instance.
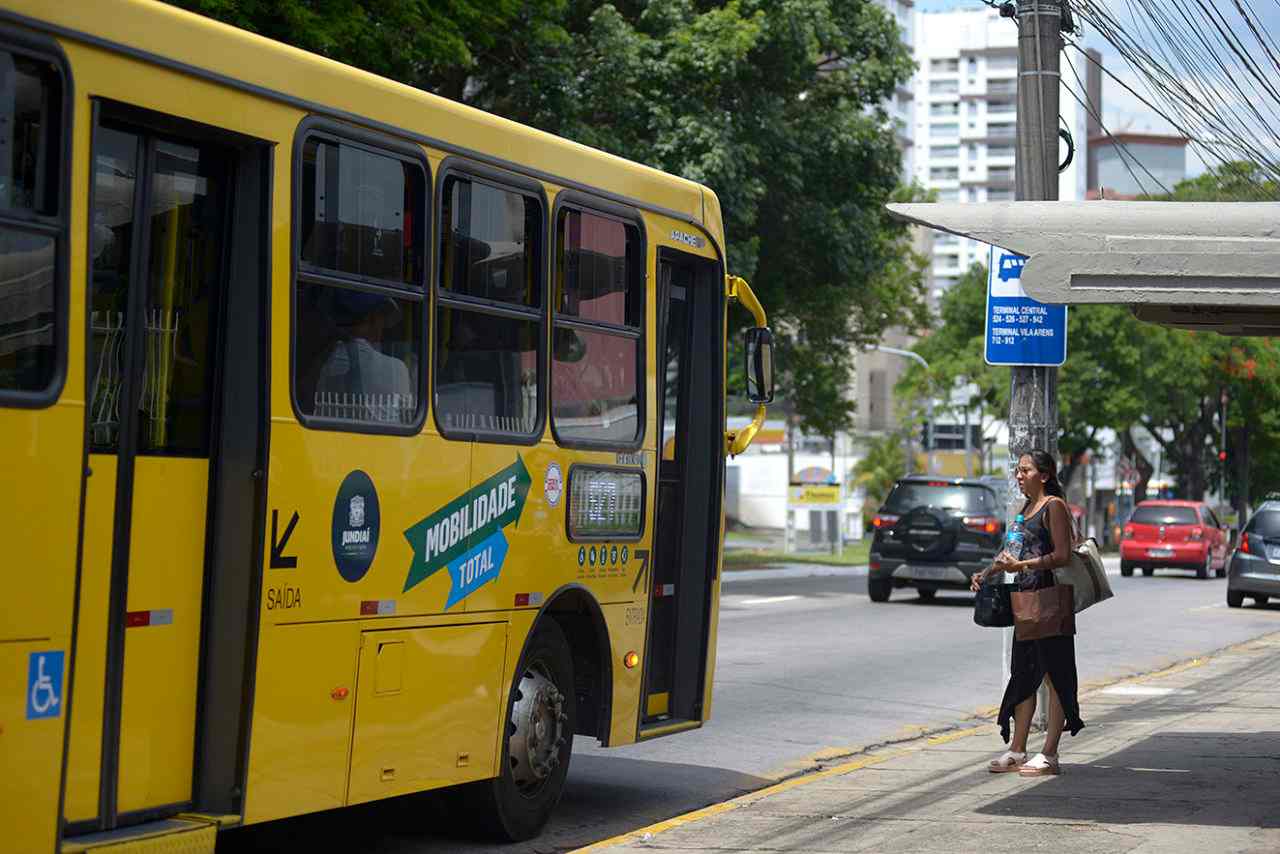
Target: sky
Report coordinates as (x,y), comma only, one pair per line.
(1122,111)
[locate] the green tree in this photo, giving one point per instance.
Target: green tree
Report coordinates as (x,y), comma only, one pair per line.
(1236,181)
(431,45)
(879,470)
(774,105)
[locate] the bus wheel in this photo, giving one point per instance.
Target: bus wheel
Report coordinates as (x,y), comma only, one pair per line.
(539,729)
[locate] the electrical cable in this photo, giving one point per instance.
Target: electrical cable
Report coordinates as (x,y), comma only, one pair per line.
(1187,72)
(1121,148)
(1194,94)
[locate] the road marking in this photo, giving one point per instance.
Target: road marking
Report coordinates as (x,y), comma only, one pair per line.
(767,600)
(1209,607)
(1144,691)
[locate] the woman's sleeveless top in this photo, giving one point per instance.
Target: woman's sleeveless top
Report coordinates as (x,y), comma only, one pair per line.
(1037,540)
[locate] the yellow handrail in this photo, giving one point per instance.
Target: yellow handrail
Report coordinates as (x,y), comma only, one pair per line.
(737,288)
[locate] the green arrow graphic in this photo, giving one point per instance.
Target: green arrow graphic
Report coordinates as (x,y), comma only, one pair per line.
(482,510)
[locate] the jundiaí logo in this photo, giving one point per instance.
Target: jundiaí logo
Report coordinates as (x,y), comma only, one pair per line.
(355,526)
(466,534)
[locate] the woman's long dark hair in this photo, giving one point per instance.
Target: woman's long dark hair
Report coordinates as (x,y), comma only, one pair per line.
(1045,464)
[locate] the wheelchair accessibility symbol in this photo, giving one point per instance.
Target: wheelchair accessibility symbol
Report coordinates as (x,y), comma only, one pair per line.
(44,685)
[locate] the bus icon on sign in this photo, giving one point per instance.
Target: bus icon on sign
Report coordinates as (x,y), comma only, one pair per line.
(1011,267)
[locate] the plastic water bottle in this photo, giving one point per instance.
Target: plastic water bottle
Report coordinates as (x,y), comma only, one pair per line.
(1013,539)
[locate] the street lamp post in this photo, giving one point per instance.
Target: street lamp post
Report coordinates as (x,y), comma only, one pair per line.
(916,357)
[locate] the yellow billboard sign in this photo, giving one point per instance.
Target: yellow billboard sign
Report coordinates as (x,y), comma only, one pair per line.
(813,495)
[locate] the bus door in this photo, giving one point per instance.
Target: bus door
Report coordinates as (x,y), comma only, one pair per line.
(690,468)
(157,274)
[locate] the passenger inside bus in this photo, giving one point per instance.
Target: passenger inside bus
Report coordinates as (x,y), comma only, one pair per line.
(358,369)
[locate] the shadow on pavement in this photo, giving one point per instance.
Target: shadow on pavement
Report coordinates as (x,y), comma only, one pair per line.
(604,796)
(1220,779)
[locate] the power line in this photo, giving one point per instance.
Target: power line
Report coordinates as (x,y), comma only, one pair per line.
(1212,88)
(1121,147)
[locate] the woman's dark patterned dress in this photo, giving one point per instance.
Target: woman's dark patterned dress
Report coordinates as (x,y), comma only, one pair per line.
(1032,660)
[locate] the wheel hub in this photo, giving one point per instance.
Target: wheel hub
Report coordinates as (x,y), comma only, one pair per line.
(537,729)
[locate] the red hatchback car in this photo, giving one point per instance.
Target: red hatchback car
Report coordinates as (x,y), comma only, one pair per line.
(1175,534)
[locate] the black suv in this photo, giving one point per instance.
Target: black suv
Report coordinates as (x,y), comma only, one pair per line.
(933,533)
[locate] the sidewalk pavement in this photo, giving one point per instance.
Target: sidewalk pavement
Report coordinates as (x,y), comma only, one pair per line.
(1185,759)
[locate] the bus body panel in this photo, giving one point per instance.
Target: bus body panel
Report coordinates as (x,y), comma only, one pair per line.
(427,710)
(304,698)
(311,744)
(40,504)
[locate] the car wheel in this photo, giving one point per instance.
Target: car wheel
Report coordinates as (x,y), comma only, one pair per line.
(1234,598)
(1203,572)
(1261,600)
(926,594)
(539,740)
(1126,568)
(879,589)
(1148,571)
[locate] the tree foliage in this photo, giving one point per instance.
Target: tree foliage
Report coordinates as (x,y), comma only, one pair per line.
(774,104)
(879,470)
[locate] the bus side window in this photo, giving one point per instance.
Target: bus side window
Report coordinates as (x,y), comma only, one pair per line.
(31,167)
(360,296)
(490,311)
(595,368)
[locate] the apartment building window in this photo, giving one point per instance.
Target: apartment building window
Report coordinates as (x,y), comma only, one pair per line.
(999,195)
(944,87)
(1000,130)
(1001,107)
(1000,151)
(944,66)
(949,129)
(945,152)
(946,108)
(948,195)
(944,173)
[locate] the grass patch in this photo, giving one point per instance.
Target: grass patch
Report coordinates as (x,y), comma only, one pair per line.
(855,553)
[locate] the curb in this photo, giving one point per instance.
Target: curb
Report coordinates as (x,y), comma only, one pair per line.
(874,754)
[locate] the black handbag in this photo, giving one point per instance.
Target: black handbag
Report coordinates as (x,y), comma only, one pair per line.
(993,606)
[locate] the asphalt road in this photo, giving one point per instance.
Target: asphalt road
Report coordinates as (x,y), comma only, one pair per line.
(807,667)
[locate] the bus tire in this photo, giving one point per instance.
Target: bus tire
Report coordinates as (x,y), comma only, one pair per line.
(539,729)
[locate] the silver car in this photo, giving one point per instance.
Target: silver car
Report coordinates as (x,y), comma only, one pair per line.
(1254,569)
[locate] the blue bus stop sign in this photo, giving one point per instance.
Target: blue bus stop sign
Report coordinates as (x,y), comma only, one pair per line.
(1020,330)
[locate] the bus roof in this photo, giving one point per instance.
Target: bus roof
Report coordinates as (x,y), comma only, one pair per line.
(199,46)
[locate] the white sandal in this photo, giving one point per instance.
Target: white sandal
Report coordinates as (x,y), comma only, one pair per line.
(1007,762)
(1041,766)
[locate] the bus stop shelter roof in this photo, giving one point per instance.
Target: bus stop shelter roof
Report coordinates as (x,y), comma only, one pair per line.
(1197,265)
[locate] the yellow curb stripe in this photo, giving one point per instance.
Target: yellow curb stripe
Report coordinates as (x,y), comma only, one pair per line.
(776,788)
(742,800)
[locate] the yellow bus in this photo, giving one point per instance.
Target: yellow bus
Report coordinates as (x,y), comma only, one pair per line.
(355,442)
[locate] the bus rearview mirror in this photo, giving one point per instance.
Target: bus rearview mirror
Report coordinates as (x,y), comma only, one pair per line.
(759,341)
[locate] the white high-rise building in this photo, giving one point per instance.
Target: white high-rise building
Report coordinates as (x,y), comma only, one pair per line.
(901,107)
(965,121)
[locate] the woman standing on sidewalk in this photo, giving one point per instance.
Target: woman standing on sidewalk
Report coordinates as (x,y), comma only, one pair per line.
(1046,545)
